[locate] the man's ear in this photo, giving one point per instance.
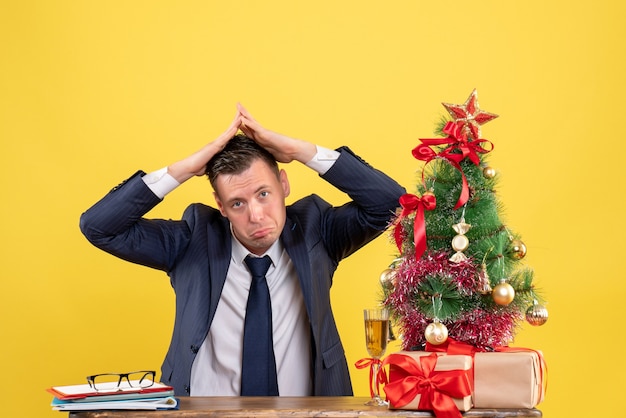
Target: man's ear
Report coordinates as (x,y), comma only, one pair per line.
(284,181)
(220,206)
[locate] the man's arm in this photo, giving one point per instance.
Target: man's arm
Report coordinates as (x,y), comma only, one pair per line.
(375,198)
(163,181)
(115,223)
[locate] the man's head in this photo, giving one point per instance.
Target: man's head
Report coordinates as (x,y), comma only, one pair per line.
(250,191)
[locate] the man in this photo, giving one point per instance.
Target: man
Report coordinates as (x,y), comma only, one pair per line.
(206,256)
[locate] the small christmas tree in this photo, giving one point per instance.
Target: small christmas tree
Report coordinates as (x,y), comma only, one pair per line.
(459,273)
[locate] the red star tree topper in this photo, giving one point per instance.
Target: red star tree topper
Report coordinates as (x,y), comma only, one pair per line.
(469,116)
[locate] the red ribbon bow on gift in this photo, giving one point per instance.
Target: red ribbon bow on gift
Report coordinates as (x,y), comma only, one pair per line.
(380,375)
(452,346)
(411,203)
(419,378)
(456,141)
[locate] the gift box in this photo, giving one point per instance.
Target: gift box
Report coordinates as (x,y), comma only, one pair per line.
(509,379)
(419,380)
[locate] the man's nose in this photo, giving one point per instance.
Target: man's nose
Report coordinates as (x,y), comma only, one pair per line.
(256,212)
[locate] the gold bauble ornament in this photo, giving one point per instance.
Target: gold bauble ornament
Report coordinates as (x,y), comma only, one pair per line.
(503,294)
(388,278)
(518,249)
(536,314)
(489,172)
(436,333)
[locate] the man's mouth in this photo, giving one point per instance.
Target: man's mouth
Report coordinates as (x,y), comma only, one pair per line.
(261,233)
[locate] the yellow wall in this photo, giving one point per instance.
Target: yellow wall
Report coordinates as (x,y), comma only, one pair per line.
(91,91)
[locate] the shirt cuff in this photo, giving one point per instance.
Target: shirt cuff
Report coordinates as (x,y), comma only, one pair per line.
(160,182)
(323,160)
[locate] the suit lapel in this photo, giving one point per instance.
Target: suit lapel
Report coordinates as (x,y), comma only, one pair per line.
(219,253)
(295,245)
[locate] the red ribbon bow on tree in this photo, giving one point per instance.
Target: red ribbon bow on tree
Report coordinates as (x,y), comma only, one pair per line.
(436,389)
(411,203)
(457,141)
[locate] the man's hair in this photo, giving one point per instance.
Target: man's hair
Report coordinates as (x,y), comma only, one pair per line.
(236,157)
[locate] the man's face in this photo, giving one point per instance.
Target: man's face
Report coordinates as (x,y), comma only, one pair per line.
(254,203)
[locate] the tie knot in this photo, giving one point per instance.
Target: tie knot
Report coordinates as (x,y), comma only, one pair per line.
(258,266)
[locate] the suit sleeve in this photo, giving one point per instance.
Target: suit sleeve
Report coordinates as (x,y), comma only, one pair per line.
(116,225)
(374,200)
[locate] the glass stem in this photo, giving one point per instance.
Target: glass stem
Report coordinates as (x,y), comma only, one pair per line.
(376,386)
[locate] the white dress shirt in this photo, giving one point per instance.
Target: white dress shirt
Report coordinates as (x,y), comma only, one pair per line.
(216,370)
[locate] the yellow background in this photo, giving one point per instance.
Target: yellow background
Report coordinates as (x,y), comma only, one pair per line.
(91,91)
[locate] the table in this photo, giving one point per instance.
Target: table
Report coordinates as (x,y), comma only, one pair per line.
(340,407)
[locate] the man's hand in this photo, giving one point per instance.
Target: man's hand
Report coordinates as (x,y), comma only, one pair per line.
(195,164)
(283,148)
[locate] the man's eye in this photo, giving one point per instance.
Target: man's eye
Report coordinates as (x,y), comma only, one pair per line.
(237,204)
(264,194)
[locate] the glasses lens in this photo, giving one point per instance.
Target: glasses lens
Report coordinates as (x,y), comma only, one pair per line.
(106,382)
(143,379)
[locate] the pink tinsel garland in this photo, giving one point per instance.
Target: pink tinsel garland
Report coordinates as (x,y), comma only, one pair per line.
(478,327)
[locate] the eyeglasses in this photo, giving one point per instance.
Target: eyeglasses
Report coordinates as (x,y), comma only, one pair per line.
(117,382)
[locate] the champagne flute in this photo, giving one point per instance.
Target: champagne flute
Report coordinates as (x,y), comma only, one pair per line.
(376,336)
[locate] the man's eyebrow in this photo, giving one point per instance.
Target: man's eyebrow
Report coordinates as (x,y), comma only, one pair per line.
(258,190)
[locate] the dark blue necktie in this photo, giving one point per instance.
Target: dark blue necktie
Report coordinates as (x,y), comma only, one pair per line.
(258,367)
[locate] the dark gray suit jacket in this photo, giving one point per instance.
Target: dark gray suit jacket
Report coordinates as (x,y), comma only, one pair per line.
(195,252)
